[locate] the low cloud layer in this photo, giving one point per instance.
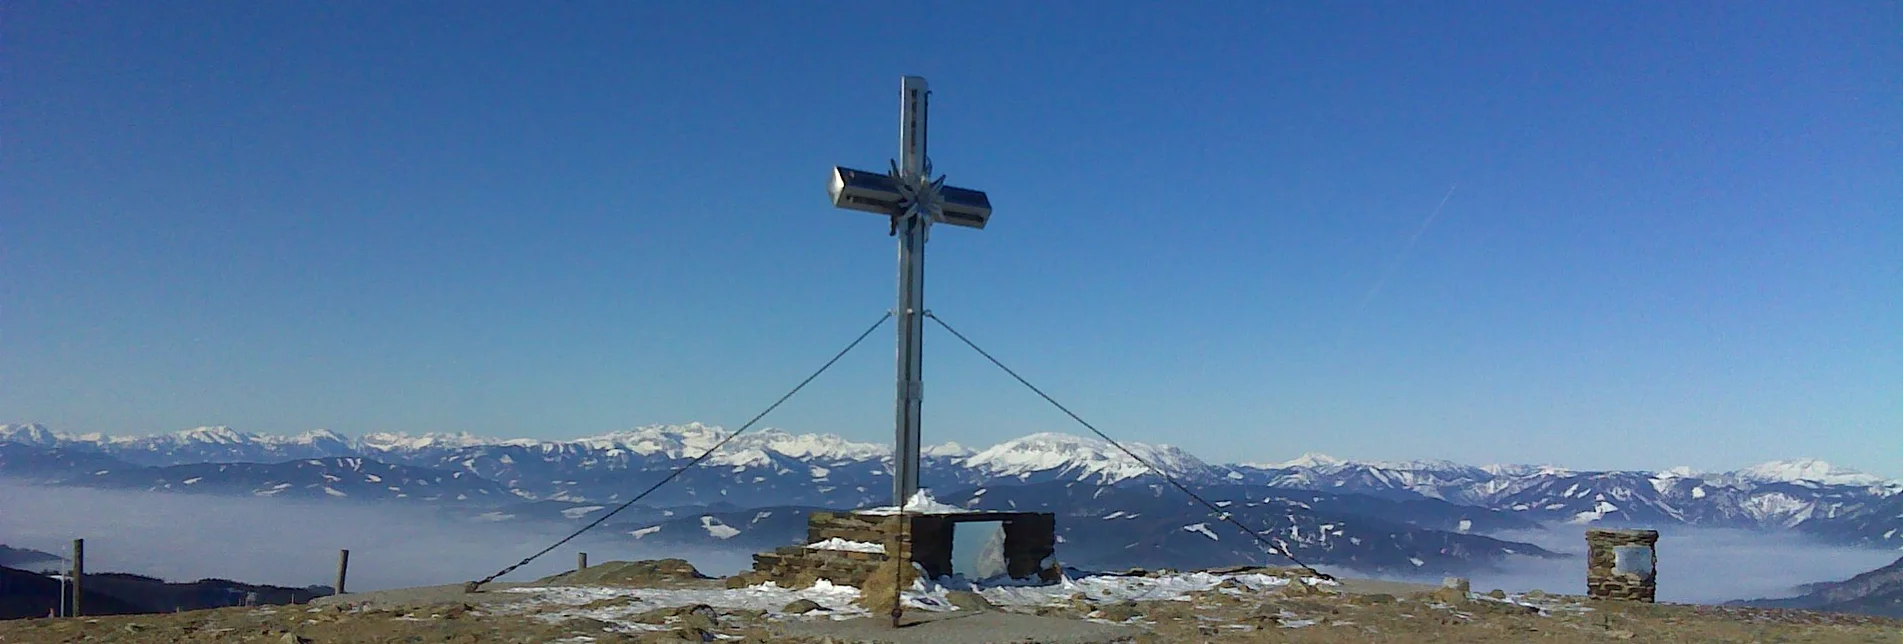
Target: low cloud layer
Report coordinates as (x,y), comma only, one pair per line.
(1696,565)
(294,543)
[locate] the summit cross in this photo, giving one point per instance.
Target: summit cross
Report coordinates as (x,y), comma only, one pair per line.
(914,201)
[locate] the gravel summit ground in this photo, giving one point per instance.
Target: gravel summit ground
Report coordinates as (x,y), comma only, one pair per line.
(660,602)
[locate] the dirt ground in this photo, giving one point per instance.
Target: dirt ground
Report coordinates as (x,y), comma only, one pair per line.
(1297,614)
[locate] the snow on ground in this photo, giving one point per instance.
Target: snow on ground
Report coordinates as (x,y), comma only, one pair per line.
(717,529)
(837,543)
(562,603)
(1112,588)
(921,503)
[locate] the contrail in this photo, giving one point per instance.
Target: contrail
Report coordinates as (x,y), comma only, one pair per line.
(1396,261)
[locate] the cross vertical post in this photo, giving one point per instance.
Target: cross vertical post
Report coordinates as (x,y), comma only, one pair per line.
(913,225)
(913,201)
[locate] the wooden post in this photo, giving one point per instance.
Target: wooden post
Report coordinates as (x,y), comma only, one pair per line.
(581,561)
(343,569)
(79,571)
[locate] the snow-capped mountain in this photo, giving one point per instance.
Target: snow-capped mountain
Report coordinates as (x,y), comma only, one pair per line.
(33,434)
(1063,457)
(1806,495)
(1431,479)
(196,445)
(1805,471)
(776,468)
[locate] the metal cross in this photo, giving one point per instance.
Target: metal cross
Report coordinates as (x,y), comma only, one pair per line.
(913,201)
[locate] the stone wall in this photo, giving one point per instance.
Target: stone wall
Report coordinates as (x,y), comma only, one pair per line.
(1029,543)
(1622,564)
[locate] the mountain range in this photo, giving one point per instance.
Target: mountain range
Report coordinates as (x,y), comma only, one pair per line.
(1425,515)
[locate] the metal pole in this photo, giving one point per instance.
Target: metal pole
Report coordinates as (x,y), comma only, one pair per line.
(343,569)
(79,571)
(911,322)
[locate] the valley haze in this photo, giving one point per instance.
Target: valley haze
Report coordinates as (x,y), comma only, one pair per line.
(440,508)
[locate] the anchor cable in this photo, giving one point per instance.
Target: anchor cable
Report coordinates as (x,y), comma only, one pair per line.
(1274,546)
(474,585)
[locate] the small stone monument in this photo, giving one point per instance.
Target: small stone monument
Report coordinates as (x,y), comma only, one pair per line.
(1622,564)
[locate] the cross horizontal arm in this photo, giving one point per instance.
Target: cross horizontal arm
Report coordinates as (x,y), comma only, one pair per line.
(878,192)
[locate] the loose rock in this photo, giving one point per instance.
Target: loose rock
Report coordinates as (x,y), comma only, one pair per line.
(802,606)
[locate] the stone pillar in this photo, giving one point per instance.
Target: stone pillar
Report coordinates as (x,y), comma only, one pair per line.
(1029,541)
(1622,564)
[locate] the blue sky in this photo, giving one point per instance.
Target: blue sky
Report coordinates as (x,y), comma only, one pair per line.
(1675,236)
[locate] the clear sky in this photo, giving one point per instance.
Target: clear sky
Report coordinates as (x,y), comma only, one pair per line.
(1673,234)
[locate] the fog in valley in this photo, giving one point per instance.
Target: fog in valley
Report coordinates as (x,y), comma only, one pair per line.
(180,537)
(1695,565)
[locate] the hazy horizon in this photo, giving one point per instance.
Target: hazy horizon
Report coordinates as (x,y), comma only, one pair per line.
(1892,475)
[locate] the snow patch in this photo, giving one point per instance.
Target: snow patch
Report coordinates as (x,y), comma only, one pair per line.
(576,513)
(920,503)
(1202,528)
(717,529)
(837,543)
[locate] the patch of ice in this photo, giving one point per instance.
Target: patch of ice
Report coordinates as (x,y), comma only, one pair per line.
(1204,529)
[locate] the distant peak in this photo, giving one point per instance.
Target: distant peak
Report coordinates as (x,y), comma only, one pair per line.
(218,434)
(1308,460)
(1806,470)
(30,434)
(947,450)
(317,436)
(1081,458)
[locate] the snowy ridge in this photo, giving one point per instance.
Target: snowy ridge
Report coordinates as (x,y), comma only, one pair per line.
(1084,457)
(1806,470)
(33,434)
(946,450)
(774,467)
(1063,456)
